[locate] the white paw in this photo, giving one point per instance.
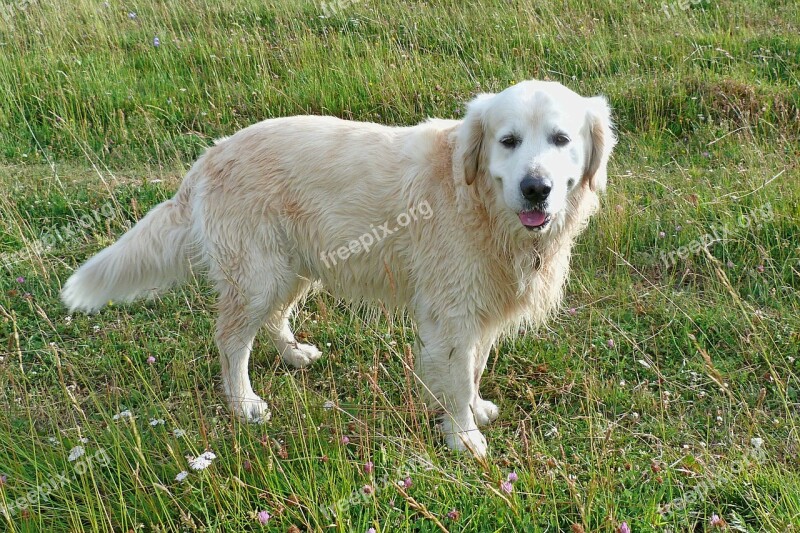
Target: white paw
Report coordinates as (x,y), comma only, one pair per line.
(251,409)
(485,412)
(301,355)
(462,439)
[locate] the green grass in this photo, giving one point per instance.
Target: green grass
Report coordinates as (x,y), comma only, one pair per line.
(97,125)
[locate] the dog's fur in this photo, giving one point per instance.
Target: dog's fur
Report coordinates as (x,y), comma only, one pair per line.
(263,212)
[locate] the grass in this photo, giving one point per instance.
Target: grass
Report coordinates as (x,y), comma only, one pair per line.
(97,125)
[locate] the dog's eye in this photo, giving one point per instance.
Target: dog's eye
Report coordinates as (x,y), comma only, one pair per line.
(560,139)
(510,141)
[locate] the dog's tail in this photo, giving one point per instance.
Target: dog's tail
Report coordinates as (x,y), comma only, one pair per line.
(152,256)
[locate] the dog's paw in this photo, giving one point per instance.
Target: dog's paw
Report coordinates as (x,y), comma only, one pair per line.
(465,440)
(251,409)
(486,412)
(301,355)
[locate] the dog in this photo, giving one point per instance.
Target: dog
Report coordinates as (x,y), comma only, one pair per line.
(467,224)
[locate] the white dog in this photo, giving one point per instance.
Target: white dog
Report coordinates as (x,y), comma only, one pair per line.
(467,224)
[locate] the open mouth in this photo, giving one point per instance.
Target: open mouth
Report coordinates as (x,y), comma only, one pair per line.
(534,219)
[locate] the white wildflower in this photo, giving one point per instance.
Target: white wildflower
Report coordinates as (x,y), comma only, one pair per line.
(757,442)
(124,414)
(156,422)
(328,405)
(202,461)
(75,453)
(179,432)
(183,474)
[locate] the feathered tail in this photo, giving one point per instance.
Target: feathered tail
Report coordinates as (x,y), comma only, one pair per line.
(151,256)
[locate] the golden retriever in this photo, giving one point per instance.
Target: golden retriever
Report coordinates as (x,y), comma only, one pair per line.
(467,224)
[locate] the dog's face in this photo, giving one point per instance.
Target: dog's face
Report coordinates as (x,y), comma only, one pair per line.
(537,143)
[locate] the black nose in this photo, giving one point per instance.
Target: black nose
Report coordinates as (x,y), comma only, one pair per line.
(536,189)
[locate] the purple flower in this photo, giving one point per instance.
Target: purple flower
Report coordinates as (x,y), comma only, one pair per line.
(453,514)
(3,480)
(368,467)
(156,42)
(506,487)
(263,517)
(731,264)
(407,482)
(572,311)
(661,234)
(371,530)
(151,360)
(367,489)
(512,477)
(345,439)
(20,280)
(760,268)
(611,343)
(716,521)
(623,528)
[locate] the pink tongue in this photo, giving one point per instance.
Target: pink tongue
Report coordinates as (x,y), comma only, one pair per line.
(532,218)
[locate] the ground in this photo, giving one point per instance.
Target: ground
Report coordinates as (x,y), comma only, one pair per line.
(664,395)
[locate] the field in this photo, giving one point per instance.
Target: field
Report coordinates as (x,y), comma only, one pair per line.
(664,396)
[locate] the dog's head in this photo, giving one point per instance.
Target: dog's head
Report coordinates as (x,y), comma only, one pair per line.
(536,143)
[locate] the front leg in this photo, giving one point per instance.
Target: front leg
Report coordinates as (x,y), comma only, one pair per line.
(485,411)
(446,368)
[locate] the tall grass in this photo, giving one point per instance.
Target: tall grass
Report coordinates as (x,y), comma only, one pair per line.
(691,411)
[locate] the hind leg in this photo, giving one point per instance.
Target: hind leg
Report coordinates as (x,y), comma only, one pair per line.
(292,352)
(237,325)
(250,291)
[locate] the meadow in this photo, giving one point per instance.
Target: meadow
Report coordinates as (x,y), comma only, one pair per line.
(664,396)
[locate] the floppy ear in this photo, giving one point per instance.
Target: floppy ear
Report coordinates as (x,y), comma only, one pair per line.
(470,137)
(601,142)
